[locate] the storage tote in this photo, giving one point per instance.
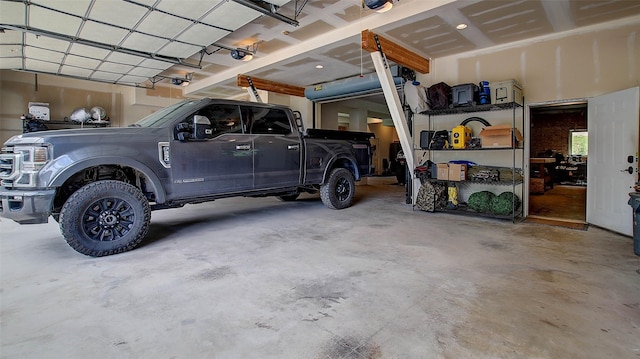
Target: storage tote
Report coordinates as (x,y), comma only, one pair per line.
(506,91)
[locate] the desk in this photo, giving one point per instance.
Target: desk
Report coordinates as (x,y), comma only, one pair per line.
(571,173)
(542,174)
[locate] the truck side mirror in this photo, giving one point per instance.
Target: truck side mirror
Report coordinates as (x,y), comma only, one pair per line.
(201,127)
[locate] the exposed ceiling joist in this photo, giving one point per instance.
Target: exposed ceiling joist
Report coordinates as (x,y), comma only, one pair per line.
(394,52)
(271,86)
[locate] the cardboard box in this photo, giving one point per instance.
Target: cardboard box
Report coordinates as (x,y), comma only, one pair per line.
(500,136)
(443,171)
(506,91)
(39,110)
(536,185)
(457,172)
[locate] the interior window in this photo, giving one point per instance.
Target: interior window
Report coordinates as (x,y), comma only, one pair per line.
(270,121)
(579,142)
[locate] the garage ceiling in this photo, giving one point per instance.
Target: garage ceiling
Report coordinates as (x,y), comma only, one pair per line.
(139,42)
(123,42)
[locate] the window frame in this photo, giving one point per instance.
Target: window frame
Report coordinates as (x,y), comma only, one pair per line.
(277,121)
(573,132)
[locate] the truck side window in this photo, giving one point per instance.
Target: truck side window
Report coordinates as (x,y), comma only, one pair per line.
(224,118)
(270,121)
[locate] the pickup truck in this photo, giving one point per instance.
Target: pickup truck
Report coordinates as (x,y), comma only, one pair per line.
(101,184)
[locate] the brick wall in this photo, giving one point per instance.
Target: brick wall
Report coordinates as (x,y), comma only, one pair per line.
(550,131)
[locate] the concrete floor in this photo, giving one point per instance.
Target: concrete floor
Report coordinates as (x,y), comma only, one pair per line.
(258,278)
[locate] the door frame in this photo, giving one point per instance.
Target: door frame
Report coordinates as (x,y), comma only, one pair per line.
(527,138)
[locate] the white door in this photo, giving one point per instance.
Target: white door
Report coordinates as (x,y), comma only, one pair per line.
(613,137)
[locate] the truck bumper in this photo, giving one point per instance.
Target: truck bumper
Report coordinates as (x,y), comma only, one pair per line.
(26,207)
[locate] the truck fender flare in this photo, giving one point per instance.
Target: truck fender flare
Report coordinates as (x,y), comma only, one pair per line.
(335,161)
(153,181)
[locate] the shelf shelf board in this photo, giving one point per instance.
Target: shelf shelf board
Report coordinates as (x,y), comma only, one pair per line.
(491,183)
(464,210)
(476,108)
(71,123)
(65,124)
(472,149)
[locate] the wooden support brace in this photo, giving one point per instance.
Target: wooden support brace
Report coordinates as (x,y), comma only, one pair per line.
(271,86)
(395,52)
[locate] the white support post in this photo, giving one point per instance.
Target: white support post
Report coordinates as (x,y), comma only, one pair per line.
(397,115)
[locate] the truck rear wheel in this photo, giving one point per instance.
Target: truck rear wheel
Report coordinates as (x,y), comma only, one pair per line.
(104,218)
(339,190)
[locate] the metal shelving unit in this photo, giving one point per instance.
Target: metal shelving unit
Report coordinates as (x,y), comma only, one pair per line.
(516,184)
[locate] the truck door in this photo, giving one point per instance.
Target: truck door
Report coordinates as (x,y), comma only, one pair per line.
(215,155)
(277,148)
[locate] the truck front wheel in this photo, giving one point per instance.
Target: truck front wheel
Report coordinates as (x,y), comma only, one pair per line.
(104,218)
(338,191)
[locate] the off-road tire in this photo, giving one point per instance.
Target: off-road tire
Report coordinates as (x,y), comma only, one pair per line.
(338,191)
(104,218)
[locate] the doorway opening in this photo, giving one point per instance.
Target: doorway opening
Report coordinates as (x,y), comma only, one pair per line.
(558,165)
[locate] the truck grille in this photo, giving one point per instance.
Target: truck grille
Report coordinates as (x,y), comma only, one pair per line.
(9,167)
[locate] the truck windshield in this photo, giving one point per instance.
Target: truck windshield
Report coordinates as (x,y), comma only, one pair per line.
(161,117)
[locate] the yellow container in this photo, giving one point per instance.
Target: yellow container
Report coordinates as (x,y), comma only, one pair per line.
(460,137)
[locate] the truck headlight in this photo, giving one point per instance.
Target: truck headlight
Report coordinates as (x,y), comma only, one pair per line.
(19,165)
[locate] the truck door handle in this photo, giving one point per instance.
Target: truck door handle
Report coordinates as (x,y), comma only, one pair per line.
(243,147)
(293,147)
(630,170)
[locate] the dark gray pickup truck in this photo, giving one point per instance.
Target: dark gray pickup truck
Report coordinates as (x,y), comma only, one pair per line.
(101,184)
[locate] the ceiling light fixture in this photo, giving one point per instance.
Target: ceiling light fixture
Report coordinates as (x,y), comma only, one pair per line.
(319,67)
(461,26)
(379,5)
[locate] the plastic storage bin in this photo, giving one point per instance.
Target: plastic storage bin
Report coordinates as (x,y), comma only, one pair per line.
(506,91)
(464,95)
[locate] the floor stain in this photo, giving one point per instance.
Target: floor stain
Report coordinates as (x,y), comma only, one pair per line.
(265,326)
(351,348)
(550,323)
(493,245)
(215,273)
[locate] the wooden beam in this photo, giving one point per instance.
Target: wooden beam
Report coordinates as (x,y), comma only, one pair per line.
(395,52)
(271,86)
